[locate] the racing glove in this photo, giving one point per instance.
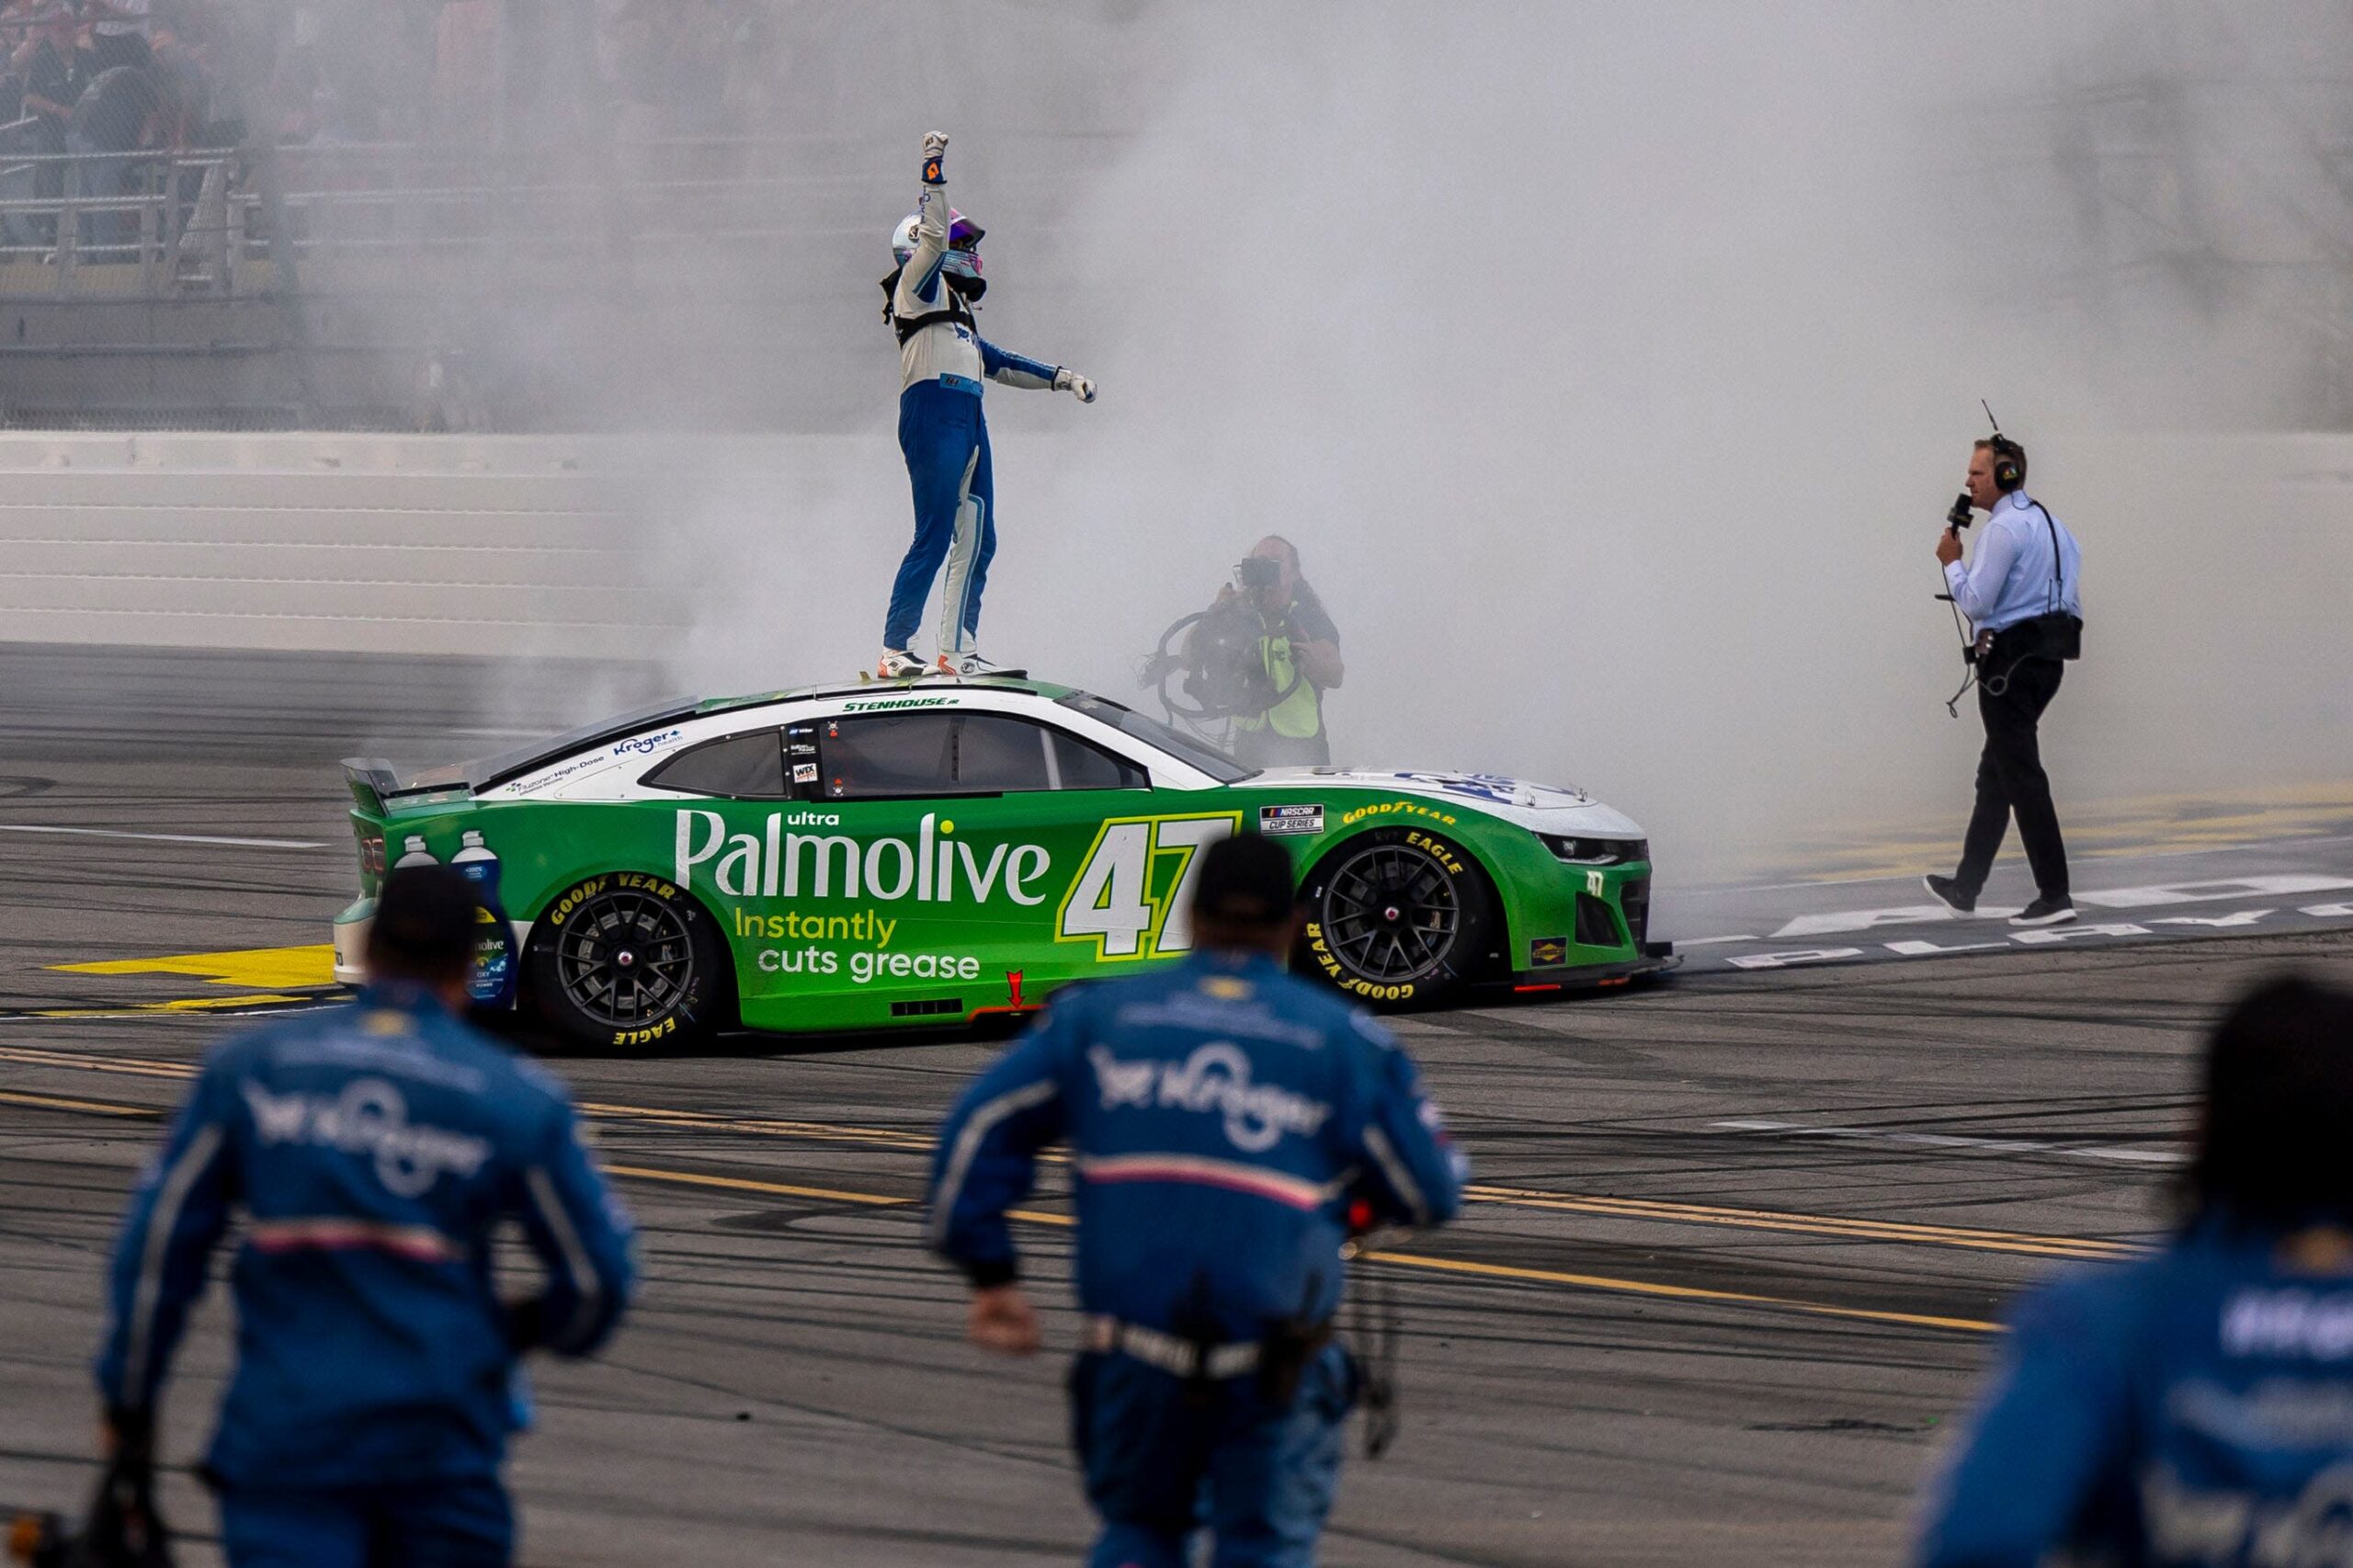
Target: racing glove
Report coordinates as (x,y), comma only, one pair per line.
(1070,380)
(934,154)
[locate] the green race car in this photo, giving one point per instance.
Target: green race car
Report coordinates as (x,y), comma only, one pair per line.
(934,851)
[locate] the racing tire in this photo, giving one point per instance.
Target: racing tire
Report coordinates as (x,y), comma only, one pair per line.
(1396,917)
(625,961)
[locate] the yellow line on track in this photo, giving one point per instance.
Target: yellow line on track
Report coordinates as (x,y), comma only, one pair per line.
(1664,1210)
(1677,1292)
(1038,1217)
(1403,1260)
(133,1066)
(745,1184)
(260,969)
(1830,1225)
(97,1107)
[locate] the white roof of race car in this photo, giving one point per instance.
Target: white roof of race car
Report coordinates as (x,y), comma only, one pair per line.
(608,761)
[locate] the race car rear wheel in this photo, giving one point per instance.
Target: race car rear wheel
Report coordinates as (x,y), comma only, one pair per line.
(627,962)
(1395,916)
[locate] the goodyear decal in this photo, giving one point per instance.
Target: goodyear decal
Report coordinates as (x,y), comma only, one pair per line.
(1395,809)
(1321,950)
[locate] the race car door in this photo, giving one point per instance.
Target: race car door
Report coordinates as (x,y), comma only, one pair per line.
(970,826)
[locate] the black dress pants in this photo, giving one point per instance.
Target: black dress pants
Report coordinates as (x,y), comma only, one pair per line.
(2010,778)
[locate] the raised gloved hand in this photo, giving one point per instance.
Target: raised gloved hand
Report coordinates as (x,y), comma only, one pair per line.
(1070,380)
(934,154)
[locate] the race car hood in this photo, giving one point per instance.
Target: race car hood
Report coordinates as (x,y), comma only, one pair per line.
(1540,808)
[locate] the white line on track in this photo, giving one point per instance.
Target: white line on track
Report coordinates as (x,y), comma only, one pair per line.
(1959,1143)
(167,837)
(2293,841)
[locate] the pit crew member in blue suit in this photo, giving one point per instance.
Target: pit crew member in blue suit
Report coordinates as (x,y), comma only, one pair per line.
(375,1148)
(1223,1118)
(2195,1406)
(942,429)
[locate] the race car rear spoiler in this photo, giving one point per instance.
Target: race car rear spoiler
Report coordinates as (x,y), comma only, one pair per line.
(376,784)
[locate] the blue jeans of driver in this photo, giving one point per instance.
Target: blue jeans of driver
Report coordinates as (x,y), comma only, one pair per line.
(1163,1459)
(438,1524)
(946,439)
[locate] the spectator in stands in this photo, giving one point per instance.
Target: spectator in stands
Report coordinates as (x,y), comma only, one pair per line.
(123,112)
(43,65)
(118,32)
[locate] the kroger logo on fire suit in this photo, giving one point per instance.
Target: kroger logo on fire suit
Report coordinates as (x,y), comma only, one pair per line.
(1215,1078)
(368,1118)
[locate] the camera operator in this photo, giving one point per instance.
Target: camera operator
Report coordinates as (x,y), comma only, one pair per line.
(1295,662)
(2021,594)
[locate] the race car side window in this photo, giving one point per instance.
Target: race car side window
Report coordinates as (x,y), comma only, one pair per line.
(1078,766)
(896,755)
(1001,755)
(739,767)
(888,756)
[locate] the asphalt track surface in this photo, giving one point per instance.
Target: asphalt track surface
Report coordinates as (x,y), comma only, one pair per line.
(1726,1282)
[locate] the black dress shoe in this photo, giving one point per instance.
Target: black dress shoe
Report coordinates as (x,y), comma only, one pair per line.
(1946,892)
(2046,911)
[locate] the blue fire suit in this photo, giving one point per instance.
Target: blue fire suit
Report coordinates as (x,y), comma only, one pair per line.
(375,1148)
(1221,1116)
(2193,1407)
(943,434)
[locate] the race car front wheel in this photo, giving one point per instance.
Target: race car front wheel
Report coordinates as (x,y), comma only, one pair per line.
(1395,916)
(627,962)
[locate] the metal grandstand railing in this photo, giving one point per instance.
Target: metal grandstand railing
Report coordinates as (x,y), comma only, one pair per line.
(174,224)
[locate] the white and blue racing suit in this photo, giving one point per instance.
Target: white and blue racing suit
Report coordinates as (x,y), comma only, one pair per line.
(1222,1116)
(944,435)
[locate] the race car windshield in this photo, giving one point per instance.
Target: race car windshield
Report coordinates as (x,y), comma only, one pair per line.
(1177,743)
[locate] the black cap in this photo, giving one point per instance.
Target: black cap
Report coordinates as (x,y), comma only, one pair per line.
(424,928)
(1245,881)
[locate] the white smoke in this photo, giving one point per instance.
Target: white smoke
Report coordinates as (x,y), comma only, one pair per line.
(1611,369)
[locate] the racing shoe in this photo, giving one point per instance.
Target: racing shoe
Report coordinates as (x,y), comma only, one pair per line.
(898,665)
(2046,911)
(970,666)
(1946,892)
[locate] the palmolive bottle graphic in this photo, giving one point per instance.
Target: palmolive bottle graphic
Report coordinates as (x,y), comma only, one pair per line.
(494,976)
(417,854)
(477,862)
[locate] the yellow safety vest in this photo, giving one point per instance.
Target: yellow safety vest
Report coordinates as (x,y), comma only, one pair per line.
(1300,716)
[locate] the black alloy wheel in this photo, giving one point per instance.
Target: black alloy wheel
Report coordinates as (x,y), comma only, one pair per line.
(1397,915)
(627,960)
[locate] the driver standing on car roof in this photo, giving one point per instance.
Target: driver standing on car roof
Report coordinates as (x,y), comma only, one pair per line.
(1223,1119)
(943,430)
(2195,1406)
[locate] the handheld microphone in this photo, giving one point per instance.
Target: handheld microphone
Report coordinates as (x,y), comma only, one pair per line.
(1960,516)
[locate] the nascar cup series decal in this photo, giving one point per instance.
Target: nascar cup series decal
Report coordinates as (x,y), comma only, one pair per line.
(1276,821)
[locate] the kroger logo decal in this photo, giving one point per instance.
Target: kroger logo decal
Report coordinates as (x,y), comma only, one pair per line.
(368,1118)
(1216,1080)
(644,743)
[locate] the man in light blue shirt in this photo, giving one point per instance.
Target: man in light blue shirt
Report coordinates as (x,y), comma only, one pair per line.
(2023,595)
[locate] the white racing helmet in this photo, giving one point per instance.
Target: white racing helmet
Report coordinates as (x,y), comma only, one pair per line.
(963,242)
